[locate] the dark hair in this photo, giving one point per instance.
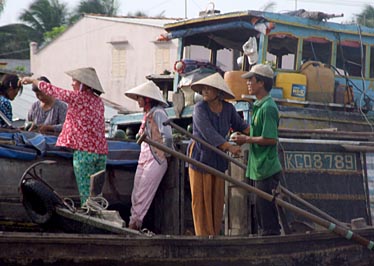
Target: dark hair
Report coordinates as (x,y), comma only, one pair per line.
(268,82)
(150,103)
(41,78)
(9,81)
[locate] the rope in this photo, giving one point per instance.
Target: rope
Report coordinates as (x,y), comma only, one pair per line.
(95,205)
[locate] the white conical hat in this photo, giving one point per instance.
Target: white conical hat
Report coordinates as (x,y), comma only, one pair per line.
(87,76)
(216,81)
(149,90)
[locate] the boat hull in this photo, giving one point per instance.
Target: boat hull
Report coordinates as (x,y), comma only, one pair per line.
(66,249)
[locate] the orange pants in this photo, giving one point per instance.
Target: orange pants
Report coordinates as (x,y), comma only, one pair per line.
(207,202)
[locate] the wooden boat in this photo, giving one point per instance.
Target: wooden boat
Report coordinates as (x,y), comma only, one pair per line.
(77,249)
(19,150)
(325,147)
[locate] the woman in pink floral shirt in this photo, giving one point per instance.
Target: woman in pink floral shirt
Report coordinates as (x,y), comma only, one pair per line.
(84,127)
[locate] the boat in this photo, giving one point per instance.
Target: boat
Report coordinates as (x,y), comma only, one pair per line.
(325,146)
(21,149)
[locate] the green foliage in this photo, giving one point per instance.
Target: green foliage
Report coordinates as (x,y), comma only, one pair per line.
(15,40)
(102,7)
(366,17)
(2,5)
(20,68)
(44,15)
(56,31)
(137,14)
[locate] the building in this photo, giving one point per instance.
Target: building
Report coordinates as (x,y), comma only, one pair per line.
(123,50)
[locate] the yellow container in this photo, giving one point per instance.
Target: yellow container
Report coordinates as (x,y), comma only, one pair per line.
(293,86)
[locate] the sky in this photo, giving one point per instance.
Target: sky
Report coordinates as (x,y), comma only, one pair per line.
(191,8)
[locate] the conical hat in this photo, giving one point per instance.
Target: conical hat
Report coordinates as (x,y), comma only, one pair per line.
(149,90)
(87,76)
(216,81)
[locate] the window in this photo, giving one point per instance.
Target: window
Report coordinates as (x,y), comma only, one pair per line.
(349,57)
(317,49)
(283,49)
(118,61)
(162,57)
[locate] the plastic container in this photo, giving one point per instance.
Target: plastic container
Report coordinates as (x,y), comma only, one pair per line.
(293,86)
(236,83)
(320,82)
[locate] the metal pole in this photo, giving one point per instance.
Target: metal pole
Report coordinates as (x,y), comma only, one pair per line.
(332,227)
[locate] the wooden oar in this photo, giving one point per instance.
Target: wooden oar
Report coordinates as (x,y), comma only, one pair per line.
(243,166)
(332,227)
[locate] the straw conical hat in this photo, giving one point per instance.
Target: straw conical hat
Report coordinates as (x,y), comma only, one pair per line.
(216,81)
(149,90)
(87,76)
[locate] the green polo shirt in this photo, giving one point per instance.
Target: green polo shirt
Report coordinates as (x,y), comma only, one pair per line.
(263,160)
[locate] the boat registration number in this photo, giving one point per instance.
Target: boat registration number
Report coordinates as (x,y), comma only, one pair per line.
(300,160)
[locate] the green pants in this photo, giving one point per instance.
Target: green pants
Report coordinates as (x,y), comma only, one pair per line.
(85,164)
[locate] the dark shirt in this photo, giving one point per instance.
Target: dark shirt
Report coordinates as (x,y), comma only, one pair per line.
(213,128)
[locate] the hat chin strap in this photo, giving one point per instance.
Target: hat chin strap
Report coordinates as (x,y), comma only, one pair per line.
(81,87)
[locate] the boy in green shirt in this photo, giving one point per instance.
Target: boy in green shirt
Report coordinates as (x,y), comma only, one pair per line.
(264,167)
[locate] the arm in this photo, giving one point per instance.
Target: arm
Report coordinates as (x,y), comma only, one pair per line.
(241,139)
(269,135)
(59,93)
(204,126)
(160,117)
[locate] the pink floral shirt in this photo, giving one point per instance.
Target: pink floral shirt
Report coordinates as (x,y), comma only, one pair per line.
(84,127)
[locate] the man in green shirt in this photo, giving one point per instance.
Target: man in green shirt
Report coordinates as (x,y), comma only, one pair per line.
(264,167)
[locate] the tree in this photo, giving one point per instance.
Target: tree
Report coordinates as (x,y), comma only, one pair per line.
(366,17)
(44,15)
(56,31)
(15,39)
(2,4)
(104,7)
(268,7)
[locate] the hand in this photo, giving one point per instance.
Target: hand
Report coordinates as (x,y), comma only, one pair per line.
(32,127)
(27,80)
(233,149)
(240,139)
(44,129)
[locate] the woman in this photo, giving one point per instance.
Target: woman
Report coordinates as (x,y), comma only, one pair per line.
(212,120)
(152,163)
(10,86)
(48,114)
(84,127)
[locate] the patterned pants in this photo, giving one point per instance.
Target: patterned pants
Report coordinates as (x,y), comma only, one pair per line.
(85,164)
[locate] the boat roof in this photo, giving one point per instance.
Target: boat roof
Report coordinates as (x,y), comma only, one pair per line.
(239,26)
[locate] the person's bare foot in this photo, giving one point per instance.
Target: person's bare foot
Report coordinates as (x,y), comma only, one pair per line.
(134,227)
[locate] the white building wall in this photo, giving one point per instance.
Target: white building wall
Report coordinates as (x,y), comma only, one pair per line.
(93,42)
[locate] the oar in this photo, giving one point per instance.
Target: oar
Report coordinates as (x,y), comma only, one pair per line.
(243,166)
(332,227)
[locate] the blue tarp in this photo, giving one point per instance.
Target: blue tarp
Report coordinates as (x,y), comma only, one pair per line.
(30,146)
